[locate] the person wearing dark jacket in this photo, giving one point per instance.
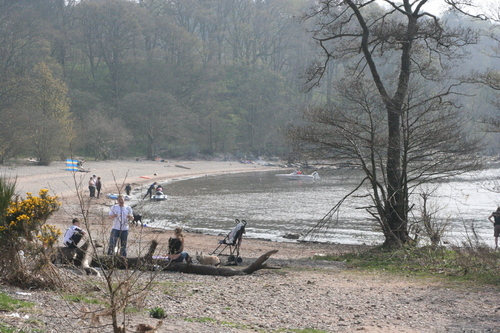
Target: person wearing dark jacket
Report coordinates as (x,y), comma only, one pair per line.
(98,186)
(150,190)
(495,219)
(128,189)
(176,247)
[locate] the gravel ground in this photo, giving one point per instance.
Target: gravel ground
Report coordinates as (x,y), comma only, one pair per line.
(304,293)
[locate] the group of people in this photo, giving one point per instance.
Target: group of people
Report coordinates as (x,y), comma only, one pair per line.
(122,215)
(154,188)
(95,186)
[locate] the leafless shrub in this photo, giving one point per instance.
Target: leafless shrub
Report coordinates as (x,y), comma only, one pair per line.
(473,255)
(426,222)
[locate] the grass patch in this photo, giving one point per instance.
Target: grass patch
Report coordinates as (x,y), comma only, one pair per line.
(157,312)
(241,326)
(8,303)
(6,329)
(201,320)
(81,299)
(478,264)
(133,309)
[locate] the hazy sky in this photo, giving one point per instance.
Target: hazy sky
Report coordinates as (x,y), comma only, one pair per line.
(484,6)
(435,6)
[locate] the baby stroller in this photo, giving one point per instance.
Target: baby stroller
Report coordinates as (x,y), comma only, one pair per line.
(232,242)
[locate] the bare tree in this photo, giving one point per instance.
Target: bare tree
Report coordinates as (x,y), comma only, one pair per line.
(397,130)
(490,77)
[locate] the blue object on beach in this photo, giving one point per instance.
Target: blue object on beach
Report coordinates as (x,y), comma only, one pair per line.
(114,196)
(71,165)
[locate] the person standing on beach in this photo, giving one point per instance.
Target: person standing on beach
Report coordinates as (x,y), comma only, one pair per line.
(92,187)
(128,188)
(121,215)
(495,219)
(150,191)
(98,186)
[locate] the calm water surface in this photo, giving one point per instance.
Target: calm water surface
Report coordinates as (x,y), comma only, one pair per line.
(274,207)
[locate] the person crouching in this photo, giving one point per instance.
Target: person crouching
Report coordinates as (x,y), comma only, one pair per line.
(74,234)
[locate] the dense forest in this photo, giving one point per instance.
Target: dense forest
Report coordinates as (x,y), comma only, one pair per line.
(161,78)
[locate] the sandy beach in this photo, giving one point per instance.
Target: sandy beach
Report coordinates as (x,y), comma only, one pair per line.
(72,187)
(304,294)
(140,173)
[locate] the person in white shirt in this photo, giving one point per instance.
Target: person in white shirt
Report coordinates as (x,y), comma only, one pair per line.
(92,187)
(121,215)
(74,234)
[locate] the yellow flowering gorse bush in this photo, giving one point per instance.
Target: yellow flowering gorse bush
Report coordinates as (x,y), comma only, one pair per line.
(49,235)
(26,242)
(26,218)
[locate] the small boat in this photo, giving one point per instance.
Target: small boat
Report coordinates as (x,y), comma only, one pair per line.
(159,196)
(114,196)
(298,175)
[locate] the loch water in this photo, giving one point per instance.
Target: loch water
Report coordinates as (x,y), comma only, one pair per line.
(274,207)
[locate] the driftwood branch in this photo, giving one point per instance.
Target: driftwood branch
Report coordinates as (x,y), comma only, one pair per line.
(148,263)
(259,263)
(87,259)
(120,262)
(219,271)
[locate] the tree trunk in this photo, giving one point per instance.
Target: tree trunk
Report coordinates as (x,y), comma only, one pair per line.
(395,217)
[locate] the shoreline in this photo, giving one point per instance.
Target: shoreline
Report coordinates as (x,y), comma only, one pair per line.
(72,191)
(116,173)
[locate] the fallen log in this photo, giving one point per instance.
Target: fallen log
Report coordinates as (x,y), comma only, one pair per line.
(148,263)
(68,256)
(85,263)
(182,166)
(260,263)
(74,255)
(119,262)
(213,270)
(71,255)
